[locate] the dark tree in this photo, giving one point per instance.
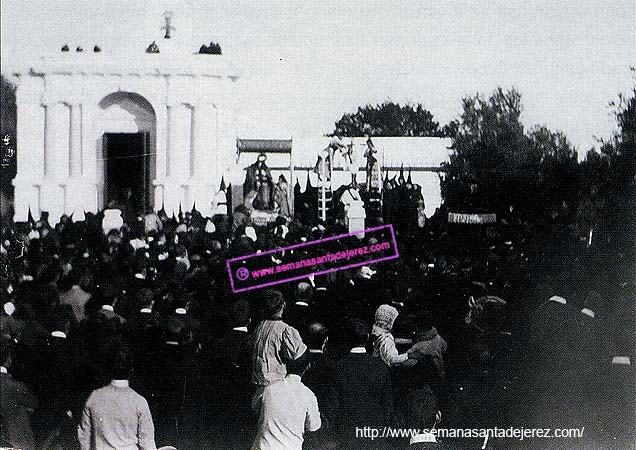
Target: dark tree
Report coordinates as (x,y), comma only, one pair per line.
(496,165)
(8,111)
(388,119)
(554,161)
(607,181)
(490,154)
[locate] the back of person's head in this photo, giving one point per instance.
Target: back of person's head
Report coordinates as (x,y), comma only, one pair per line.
(357,333)
(6,346)
(72,279)
(175,330)
(145,298)
(122,364)
(60,319)
(314,335)
(424,321)
(299,365)
(595,302)
(422,408)
(240,313)
(272,302)
(107,293)
(304,291)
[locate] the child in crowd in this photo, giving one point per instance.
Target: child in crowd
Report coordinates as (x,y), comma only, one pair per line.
(384,342)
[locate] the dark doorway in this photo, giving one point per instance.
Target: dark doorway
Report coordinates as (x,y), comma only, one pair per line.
(127,167)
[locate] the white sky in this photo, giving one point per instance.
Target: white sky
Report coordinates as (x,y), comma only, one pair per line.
(306,63)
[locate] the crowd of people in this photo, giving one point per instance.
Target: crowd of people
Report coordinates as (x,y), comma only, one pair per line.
(131,337)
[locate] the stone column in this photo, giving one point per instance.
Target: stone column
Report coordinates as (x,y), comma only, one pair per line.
(49,141)
(204,122)
(204,146)
(170,139)
(76,189)
(89,155)
(198,146)
(171,188)
(30,148)
(75,141)
(161,144)
(52,195)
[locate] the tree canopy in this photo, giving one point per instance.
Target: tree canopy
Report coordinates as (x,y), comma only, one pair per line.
(388,119)
(496,164)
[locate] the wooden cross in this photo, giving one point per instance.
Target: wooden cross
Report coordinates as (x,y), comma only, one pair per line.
(167,16)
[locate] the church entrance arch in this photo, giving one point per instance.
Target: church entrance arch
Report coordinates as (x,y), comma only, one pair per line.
(126,130)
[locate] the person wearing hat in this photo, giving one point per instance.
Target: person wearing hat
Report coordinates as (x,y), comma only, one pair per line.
(384,342)
(275,344)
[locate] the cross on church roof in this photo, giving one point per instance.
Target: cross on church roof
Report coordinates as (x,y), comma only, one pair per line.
(167,17)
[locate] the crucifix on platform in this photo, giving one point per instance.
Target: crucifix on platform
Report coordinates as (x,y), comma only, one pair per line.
(167,17)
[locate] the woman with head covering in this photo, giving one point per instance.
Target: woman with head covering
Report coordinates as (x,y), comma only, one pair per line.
(384,342)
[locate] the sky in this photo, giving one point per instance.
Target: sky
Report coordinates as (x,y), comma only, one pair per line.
(306,63)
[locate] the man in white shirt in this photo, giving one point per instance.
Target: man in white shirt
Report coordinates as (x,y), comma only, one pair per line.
(115,416)
(289,409)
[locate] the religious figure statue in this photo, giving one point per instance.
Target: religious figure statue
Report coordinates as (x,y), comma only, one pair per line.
(153,48)
(421,213)
(281,197)
(350,197)
(353,208)
(374,177)
(324,164)
(259,179)
(351,162)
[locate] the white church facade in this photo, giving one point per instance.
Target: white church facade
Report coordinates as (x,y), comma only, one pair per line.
(154,116)
(71,108)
